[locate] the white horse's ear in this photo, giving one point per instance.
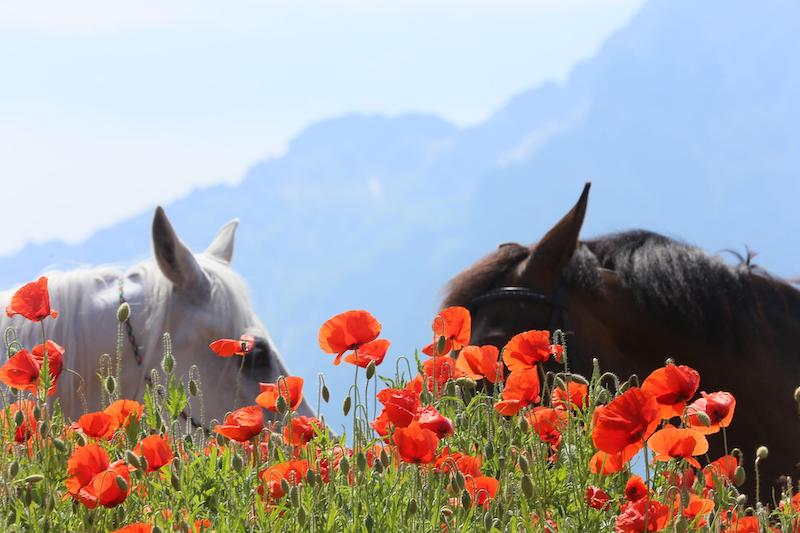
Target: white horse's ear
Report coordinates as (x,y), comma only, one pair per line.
(222,245)
(175,259)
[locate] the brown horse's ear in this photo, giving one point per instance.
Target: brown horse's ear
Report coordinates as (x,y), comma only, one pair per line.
(552,254)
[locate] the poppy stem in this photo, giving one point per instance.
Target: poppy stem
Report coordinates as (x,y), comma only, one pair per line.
(647,484)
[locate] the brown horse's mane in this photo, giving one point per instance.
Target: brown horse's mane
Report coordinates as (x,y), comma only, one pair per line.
(675,282)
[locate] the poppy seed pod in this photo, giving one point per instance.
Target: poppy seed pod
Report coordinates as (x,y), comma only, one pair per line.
(123,312)
(762,452)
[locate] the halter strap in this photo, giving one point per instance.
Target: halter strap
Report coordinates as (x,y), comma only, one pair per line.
(558,300)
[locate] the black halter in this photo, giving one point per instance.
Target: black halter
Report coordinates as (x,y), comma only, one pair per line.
(558,300)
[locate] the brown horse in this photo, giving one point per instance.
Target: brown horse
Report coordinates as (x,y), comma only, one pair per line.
(633,299)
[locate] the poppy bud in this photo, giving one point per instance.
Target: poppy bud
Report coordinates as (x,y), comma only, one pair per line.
(681,524)
(466,500)
(441,344)
(44,429)
(460,481)
(157,529)
(450,388)
(411,508)
(488,451)
(188,439)
(797,394)
(13,469)
(175,481)
(703,418)
(294,496)
(168,363)
(281,404)
(346,406)
(311,478)
(384,457)
(27,496)
(80,439)
(301,516)
(284,486)
(111,384)
(344,466)
(37,412)
(326,394)
(669,361)
(132,459)
(361,461)
(446,513)
(739,476)
(426,397)
(237,462)
(741,500)
(369,522)
(193,387)
(378,466)
(762,452)
(488,521)
(527,487)
(121,483)
(524,426)
(19,418)
(524,465)
(59,445)
(123,312)
(142,462)
(466,383)
(370,369)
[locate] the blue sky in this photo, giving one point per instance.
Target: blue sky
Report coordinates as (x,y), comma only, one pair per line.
(110,108)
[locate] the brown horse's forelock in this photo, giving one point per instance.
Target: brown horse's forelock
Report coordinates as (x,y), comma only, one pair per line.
(673,281)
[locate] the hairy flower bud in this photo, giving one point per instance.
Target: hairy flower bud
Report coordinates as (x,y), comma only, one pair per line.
(19,418)
(193,390)
(168,363)
(121,483)
(411,508)
(739,476)
(13,469)
(326,394)
(762,452)
(703,418)
(466,499)
(346,406)
(59,445)
(370,369)
(361,461)
(524,465)
(527,487)
(174,480)
(123,312)
(111,384)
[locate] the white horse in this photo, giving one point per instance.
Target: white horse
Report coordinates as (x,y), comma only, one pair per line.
(197,298)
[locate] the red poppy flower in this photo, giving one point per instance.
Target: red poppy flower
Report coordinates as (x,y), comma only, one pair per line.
(242,424)
(32,301)
(230,347)
(291,388)
(348,331)
(416,444)
(723,470)
(138,527)
(429,418)
(440,369)
(92,480)
(28,427)
(123,411)
(672,386)
(55,361)
(631,518)
(294,472)
(528,348)
(454,324)
(480,363)
(719,406)
(522,388)
(576,396)
(374,351)
(98,425)
(626,421)
(301,429)
(597,498)
(548,423)
(400,405)
(156,450)
(609,463)
(482,489)
(696,510)
(740,524)
(381,424)
(466,464)
(678,443)
(20,371)
(635,489)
